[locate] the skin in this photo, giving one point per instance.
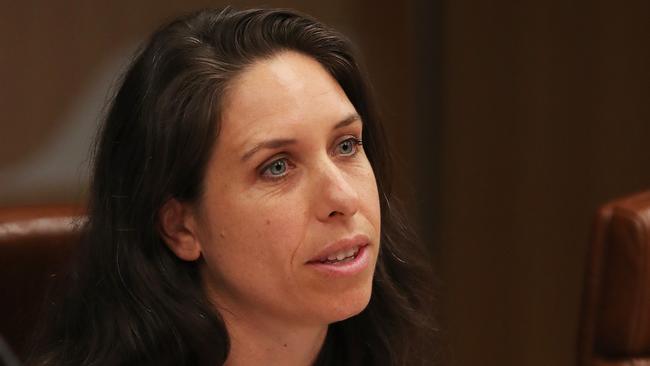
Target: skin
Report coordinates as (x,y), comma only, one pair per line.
(267,211)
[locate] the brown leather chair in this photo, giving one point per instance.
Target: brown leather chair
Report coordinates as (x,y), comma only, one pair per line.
(615,322)
(35,248)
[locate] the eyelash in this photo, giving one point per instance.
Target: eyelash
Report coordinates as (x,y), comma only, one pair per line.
(356,143)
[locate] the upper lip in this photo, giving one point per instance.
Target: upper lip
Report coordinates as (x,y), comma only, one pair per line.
(347,243)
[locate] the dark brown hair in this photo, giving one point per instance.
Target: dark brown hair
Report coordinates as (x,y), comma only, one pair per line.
(130,300)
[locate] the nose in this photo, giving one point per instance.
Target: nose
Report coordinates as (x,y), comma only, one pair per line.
(335,195)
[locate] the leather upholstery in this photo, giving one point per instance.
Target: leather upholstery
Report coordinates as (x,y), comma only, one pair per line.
(35,247)
(615,323)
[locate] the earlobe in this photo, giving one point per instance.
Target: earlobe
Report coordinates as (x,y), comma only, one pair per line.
(178,231)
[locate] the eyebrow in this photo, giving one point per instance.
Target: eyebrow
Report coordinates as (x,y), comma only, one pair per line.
(281,142)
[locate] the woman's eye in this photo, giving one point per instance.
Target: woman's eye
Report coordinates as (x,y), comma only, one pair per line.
(276,168)
(348,147)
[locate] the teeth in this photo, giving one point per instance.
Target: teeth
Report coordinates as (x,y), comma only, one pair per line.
(343,254)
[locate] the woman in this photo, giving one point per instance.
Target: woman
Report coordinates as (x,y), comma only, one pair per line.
(241,211)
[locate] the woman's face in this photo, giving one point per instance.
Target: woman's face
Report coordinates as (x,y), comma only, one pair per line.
(287,187)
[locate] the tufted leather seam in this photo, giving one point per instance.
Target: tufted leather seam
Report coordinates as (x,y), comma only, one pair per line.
(15,229)
(638,317)
(641,325)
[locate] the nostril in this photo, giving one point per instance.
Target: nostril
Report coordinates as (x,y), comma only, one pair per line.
(334,213)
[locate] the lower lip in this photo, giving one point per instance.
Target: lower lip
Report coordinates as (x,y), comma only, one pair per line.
(350,268)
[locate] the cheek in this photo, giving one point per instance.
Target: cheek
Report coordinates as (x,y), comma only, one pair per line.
(369,198)
(249,255)
(253,234)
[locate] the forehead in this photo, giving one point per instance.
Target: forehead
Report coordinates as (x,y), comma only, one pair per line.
(289,90)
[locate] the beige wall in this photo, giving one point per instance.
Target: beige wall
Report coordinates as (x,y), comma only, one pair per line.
(59,59)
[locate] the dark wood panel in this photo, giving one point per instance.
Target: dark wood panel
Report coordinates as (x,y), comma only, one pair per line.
(545,116)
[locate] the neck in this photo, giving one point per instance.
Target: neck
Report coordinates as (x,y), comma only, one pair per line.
(254,342)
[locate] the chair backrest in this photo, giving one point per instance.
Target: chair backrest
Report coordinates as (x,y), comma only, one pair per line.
(615,319)
(36,244)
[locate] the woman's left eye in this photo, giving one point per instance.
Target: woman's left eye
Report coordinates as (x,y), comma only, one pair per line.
(348,147)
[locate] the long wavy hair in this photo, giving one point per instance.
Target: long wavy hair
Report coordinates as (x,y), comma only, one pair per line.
(129,300)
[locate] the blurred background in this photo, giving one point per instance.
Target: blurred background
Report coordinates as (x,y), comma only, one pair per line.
(512,122)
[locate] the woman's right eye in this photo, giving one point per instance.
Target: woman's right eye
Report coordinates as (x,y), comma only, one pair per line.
(275,169)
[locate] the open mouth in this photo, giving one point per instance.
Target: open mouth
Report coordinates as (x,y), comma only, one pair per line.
(342,256)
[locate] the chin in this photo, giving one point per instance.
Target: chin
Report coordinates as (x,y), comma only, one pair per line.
(349,305)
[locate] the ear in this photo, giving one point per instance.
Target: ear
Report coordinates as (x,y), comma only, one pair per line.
(178,230)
